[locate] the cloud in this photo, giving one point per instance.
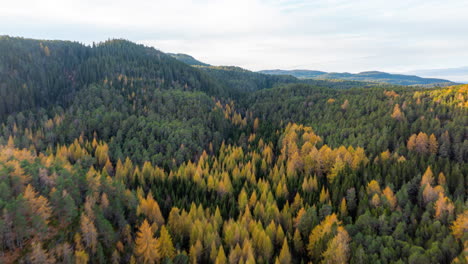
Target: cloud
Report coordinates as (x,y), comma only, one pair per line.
(331,35)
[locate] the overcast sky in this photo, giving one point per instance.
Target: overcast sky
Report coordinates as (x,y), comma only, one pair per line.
(328,35)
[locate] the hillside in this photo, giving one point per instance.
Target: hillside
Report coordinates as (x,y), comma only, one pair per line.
(187,59)
(369,76)
(120,153)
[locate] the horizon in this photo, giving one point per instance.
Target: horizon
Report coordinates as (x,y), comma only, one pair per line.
(327,35)
(430,72)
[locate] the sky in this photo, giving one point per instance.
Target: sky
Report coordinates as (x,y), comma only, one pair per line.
(401,36)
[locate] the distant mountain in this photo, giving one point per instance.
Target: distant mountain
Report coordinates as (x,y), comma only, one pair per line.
(295,73)
(187,59)
(459,74)
(368,76)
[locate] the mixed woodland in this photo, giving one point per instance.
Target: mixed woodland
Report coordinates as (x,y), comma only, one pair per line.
(119,153)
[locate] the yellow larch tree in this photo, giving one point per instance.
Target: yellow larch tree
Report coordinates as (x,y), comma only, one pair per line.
(397,113)
(319,232)
(221,257)
(433,145)
(443,207)
(390,197)
(150,208)
(146,245)
(338,248)
(88,232)
(285,254)
(411,145)
(460,225)
(165,247)
(38,204)
(373,187)
(343,208)
(428,177)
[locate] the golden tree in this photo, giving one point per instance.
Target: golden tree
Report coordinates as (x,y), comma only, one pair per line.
(150,208)
(338,248)
(460,225)
(422,143)
(221,257)
(166,248)
(428,177)
(443,206)
(319,232)
(411,145)
(285,255)
(345,105)
(298,244)
(390,197)
(89,232)
(373,187)
(38,204)
(81,257)
(146,245)
(397,114)
(40,256)
(343,208)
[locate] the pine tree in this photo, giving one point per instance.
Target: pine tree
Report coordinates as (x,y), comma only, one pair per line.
(445,145)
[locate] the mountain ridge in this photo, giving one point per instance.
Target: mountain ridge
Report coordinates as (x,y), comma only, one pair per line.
(369,76)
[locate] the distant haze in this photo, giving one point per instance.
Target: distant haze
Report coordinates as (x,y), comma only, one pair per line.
(327,35)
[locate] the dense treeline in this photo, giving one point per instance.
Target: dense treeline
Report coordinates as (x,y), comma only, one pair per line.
(375,119)
(40,73)
(134,157)
(244,81)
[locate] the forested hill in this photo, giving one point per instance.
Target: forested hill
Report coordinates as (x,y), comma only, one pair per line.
(41,73)
(119,153)
(187,59)
(369,76)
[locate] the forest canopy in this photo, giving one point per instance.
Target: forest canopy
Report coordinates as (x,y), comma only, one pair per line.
(119,153)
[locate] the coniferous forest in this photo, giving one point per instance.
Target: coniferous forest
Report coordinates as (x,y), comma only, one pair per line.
(119,153)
